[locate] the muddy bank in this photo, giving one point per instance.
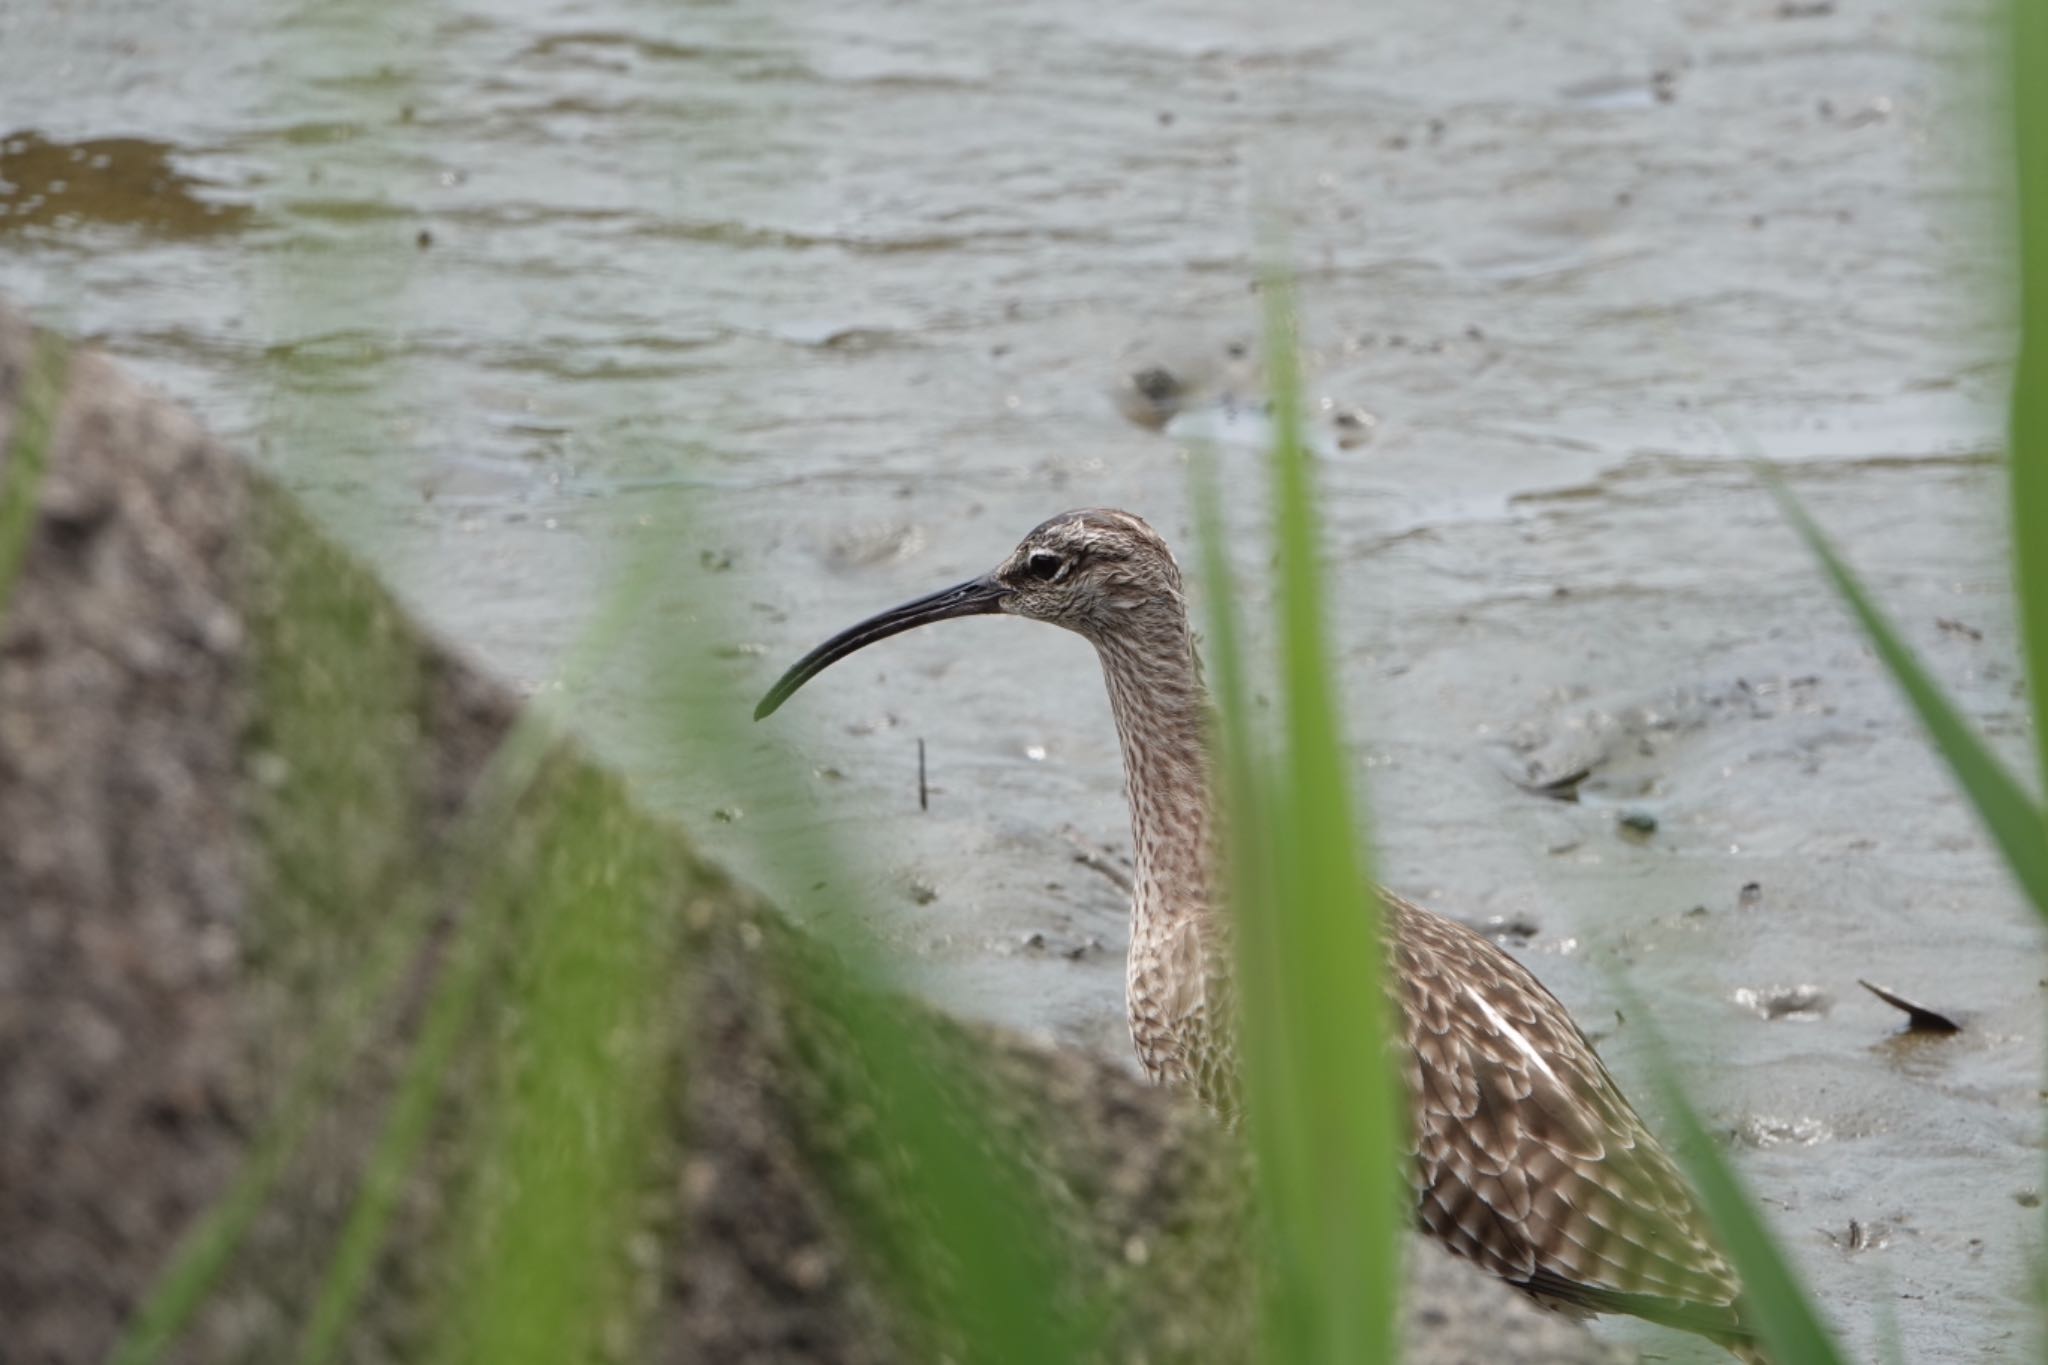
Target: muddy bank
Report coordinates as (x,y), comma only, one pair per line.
(198,792)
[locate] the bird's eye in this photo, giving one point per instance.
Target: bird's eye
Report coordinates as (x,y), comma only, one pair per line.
(1044,565)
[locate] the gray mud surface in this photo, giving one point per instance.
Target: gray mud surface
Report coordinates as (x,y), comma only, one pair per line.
(855,297)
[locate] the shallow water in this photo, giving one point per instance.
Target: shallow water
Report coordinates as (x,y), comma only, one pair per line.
(510,288)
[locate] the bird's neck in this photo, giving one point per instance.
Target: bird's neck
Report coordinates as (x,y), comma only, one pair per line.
(1161,709)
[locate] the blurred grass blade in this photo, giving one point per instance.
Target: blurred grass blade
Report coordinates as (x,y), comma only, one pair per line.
(2026,23)
(1775,1301)
(585,1063)
(920,1157)
(398,1145)
(935,1189)
(1333,958)
(326,631)
(588,1061)
(1318,1085)
(2027,458)
(204,1253)
(28,445)
(1270,1089)
(511,774)
(1891,1347)
(2016,823)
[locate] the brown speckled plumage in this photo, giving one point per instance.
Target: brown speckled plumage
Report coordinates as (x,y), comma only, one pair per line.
(1527,1158)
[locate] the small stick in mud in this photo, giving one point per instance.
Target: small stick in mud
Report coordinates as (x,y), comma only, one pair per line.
(924,793)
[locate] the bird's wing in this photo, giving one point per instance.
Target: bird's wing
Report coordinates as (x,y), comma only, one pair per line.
(1722,1322)
(1528,1158)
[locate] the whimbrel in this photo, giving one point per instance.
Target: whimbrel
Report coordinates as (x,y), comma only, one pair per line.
(1527,1158)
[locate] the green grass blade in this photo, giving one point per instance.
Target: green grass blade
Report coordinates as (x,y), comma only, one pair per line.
(2026,34)
(28,446)
(1775,1299)
(1891,1344)
(2016,823)
(2027,459)
(334,701)
(586,1072)
(954,1222)
(1321,1102)
(934,1183)
(512,772)
(201,1256)
(204,1253)
(398,1145)
(588,1069)
(1270,1084)
(1335,960)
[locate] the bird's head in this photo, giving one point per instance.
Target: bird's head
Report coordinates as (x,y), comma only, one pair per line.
(1092,571)
(1099,572)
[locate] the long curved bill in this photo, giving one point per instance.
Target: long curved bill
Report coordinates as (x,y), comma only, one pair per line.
(976,597)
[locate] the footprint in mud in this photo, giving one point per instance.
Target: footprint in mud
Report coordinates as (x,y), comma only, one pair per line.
(1577,746)
(1801,1002)
(1774,1130)
(1217,394)
(868,547)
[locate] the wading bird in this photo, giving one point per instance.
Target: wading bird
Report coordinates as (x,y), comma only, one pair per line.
(1527,1159)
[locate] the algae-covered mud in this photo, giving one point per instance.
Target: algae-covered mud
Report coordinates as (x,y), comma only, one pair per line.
(828,306)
